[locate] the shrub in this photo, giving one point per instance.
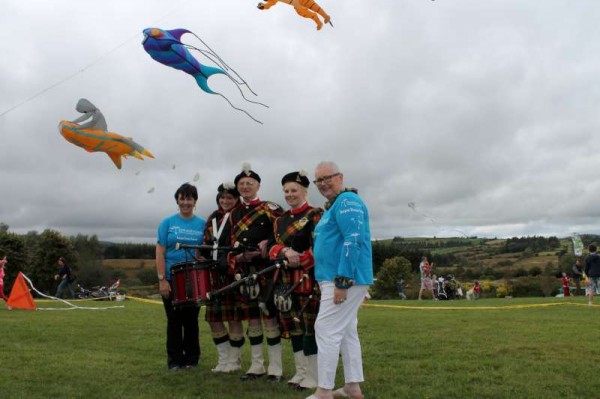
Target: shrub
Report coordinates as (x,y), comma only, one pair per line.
(524,287)
(502,290)
(393,269)
(535,271)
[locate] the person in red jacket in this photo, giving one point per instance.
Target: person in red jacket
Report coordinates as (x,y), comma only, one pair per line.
(566,281)
(476,289)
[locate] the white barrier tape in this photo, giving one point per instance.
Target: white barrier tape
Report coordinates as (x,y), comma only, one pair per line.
(72,307)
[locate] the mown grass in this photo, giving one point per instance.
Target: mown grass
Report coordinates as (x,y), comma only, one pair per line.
(411,349)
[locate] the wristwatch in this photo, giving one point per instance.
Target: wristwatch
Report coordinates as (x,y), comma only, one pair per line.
(160,277)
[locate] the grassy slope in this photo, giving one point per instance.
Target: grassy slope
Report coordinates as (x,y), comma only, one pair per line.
(484,252)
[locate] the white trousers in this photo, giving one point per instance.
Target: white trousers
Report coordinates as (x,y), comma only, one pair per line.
(335,331)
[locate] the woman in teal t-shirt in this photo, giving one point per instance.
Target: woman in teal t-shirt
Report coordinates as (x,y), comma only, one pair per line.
(183,343)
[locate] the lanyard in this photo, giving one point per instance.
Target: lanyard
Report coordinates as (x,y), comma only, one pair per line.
(217,233)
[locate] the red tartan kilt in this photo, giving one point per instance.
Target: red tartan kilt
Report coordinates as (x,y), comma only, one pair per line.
(306,287)
(225,307)
(306,326)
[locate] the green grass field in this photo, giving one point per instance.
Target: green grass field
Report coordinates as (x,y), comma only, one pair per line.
(492,348)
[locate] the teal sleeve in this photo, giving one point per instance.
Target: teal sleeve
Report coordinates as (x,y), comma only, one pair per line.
(350,217)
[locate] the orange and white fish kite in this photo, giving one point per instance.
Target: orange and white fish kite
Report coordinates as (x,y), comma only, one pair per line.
(98,140)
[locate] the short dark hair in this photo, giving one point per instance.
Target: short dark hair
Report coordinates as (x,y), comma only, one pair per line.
(187,190)
(592,248)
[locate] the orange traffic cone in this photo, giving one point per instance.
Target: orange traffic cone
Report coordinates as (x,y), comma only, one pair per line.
(20,297)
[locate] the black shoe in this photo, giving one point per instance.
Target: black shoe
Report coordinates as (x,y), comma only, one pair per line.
(274,378)
(299,388)
(250,377)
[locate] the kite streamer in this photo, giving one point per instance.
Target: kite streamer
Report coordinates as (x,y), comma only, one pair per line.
(413,206)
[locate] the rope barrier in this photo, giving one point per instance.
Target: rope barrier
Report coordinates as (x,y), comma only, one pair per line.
(510,307)
(72,306)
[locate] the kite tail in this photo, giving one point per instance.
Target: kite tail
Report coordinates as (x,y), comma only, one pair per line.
(147,153)
(242,92)
(214,57)
(139,150)
(202,77)
(239,109)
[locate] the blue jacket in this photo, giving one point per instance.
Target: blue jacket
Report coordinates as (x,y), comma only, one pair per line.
(592,265)
(342,242)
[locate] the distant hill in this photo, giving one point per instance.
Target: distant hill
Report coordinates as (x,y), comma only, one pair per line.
(474,255)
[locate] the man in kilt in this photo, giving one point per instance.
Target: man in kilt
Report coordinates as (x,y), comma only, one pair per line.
(297,295)
(226,306)
(252,226)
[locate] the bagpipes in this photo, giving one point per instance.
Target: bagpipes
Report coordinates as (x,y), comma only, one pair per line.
(249,280)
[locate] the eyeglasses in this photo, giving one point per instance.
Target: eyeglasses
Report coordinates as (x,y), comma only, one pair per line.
(325,179)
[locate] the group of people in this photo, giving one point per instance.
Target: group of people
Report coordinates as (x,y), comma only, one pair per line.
(590,273)
(312,300)
(64,276)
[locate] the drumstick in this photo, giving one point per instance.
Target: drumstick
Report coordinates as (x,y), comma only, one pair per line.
(297,318)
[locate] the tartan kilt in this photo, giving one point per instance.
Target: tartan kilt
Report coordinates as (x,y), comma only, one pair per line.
(306,326)
(248,308)
(226,306)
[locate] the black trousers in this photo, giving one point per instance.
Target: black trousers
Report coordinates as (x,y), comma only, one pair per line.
(183,340)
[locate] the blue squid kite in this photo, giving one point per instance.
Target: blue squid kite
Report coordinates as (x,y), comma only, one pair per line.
(165,46)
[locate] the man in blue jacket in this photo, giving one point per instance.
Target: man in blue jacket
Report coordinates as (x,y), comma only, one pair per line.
(344,270)
(592,271)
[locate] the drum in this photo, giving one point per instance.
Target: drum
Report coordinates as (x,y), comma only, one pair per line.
(190,282)
(306,287)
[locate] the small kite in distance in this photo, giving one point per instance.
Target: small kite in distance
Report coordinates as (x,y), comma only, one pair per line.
(305,8)
(577,244)
(413,206)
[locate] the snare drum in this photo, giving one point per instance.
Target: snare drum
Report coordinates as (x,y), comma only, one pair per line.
(190,282)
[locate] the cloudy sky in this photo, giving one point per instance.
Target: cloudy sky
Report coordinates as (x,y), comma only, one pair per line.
(484,114)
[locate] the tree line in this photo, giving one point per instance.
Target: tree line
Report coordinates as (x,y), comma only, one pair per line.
(36,254)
